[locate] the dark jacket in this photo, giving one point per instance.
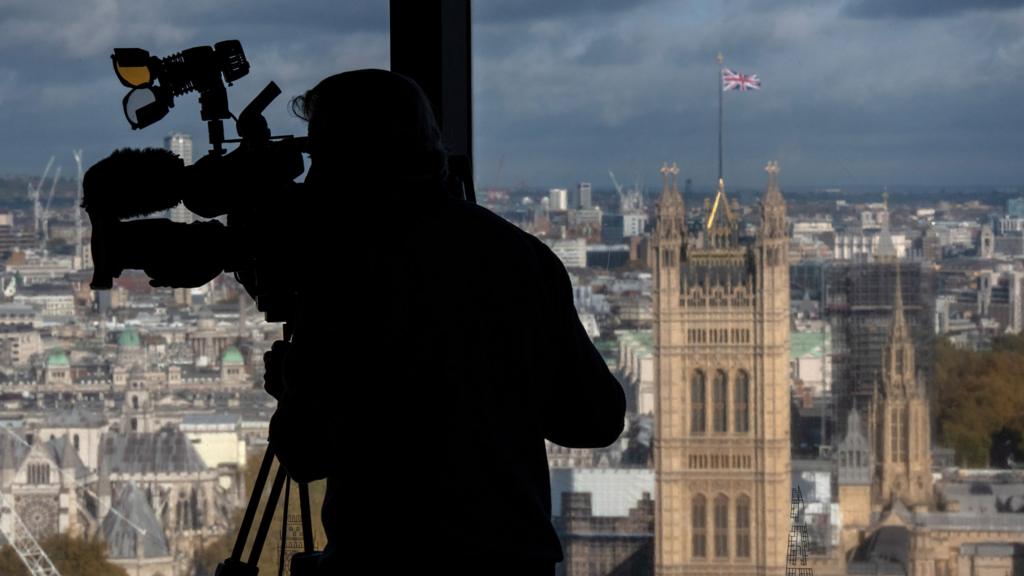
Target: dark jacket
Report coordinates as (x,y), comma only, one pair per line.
(425,373)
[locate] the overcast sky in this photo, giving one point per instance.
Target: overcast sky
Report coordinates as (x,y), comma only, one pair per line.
(854,92)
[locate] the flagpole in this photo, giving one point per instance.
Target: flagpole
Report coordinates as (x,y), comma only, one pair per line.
(721,61)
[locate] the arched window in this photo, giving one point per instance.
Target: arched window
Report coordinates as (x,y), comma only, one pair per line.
(721,526)
(894,436)
(741,398)
(719,397)
(76,442)
(135,402)
(700,526)
(904,434)
(743,527)
(39,474)
(698,391)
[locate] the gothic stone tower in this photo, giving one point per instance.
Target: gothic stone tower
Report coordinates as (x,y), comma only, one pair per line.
(899,420)
(722,347)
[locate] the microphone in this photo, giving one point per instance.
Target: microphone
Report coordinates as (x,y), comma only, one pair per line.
(131,183)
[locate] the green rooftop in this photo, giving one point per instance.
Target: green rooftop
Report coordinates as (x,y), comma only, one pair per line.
(232,356)
(129,338)
(803,344)
(57,358)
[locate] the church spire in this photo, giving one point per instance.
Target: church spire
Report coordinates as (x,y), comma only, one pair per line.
(773,207)
(721,213)
(899,349)
(670,213)
(670,183)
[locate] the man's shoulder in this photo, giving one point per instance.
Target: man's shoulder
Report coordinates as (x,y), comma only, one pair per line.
(485,225)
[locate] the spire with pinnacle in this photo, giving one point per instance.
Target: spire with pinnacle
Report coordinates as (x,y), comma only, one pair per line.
(899,349)
(671,210)
(773,207)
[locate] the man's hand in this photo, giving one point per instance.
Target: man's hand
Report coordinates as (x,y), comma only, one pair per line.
(172,254)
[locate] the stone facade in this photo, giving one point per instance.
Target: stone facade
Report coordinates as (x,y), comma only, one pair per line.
(599,545)
(722,448)
(900,424)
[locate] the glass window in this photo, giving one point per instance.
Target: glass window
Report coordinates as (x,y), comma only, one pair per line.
(720,392)
(698,391)
(742,402)
(721,526)
(743,527)
(699,526)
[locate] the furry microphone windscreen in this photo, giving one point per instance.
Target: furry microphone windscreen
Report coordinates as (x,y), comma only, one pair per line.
(131,183)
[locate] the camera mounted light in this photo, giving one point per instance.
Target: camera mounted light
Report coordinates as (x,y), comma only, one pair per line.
(156,82)
(132,66)
(144,106)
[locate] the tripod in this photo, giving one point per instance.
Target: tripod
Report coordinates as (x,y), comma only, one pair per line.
(303,563)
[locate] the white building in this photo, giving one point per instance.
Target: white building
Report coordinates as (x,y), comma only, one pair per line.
(613,491)
(180,144)
(558,199)
(216,437)
(859,246)
(584,196)
(572,252)
(636,363)
(633,224)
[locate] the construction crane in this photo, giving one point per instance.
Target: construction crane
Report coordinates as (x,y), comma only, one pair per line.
(618,189)
(33,195)
(79,250)
(25,545)
(44,215)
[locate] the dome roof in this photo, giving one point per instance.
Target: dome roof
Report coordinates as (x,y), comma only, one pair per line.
(232,356)
(129,338)
(56,358)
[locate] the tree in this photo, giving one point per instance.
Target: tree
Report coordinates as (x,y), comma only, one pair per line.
(218,550)
(980,400)
(70,556)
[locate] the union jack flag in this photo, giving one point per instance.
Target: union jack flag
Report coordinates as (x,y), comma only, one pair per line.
(733,81)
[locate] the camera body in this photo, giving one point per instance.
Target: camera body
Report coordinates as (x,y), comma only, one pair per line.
(248,185)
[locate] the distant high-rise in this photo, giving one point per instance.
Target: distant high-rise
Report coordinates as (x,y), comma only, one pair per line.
(558,199)
(180,144)
(584,196)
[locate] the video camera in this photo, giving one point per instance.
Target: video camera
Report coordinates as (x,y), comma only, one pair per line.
(248,184)
(253,185)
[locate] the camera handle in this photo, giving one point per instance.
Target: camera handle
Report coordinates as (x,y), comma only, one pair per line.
(303,564)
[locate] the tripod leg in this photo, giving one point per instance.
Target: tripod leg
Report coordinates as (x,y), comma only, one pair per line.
(268,515)
(307,522)
(284,526)
(254,499)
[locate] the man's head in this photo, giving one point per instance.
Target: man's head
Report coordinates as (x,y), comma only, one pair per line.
(373,121)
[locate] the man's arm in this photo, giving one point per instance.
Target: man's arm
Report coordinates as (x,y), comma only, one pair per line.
(304,427)
(584,405)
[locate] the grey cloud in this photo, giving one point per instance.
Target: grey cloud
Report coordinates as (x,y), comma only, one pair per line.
(516,11)
(923,8)
(563,91)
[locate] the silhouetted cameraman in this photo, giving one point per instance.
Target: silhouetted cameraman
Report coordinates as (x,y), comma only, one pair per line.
(435,347)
